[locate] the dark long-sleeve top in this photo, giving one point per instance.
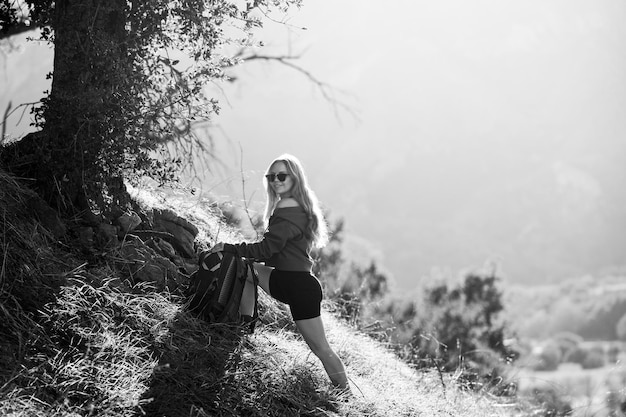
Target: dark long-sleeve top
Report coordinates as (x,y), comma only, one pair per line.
(284,245)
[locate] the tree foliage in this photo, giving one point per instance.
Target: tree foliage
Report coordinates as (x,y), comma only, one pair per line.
(461,324)
(127,88)
(452,327)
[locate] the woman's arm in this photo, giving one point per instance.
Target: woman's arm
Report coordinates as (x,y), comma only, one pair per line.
(274,240)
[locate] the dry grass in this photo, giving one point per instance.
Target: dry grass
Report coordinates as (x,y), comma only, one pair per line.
(31,271)
(94,347)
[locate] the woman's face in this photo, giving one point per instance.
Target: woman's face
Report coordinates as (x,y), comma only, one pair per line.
(279,171)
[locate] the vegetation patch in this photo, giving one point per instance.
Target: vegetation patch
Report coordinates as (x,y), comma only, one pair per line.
(84,338)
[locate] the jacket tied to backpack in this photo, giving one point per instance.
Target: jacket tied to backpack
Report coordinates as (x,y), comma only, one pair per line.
(215,289)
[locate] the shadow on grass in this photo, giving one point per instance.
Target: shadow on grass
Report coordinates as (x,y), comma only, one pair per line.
(195,371)
(32,271)
(215,370)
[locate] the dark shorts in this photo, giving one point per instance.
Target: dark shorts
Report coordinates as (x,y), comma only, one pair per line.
(301,290)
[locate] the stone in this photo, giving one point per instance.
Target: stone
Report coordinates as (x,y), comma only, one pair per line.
(107,234)
(47,216)
(183,232)
(165,249)
(128,222)
(172,217)
(142,264)
(85,236)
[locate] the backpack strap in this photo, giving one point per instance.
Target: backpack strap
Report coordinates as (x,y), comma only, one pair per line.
(255,279)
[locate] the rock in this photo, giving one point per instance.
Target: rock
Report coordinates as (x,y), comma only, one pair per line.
(89,218)
(47,216)
(128,222)
(142,264)
(183,232)
(170,216)
(85,236)
(107,234)
(165,249)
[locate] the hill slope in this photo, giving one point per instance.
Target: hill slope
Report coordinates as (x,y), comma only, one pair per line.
(84,333)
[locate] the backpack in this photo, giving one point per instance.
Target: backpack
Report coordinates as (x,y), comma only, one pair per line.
(215,289)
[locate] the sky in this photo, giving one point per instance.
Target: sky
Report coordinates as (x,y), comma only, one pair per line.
(486,131)
(466,133)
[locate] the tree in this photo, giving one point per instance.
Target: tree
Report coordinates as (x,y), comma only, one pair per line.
(463,321)
(127,89)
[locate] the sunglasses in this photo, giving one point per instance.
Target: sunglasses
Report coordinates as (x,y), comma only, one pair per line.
(282,176)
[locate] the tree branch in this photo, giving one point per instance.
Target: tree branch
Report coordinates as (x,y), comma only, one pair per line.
(327,91)
(15,30)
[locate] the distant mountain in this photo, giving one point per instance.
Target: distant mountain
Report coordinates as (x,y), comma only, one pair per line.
(539,217)
(588,306)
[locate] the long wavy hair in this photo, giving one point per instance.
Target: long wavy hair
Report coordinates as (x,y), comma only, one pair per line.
(316,230)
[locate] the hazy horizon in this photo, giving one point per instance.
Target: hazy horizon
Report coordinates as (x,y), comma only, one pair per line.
(488,133)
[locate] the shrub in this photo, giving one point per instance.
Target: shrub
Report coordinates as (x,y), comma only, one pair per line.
(552,405)
(567,343)
(451,327)
(549,358)
(577,355)
(594,359)
(613,353)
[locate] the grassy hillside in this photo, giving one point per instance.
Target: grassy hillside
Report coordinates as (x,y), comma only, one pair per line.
(82,337)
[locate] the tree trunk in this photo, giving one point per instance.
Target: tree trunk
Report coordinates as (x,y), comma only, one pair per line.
(64,159)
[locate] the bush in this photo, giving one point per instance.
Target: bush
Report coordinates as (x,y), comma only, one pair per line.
(613,353)
(594,359)
(552,405)
(451,326)
(549,358)
(577,355)
(464,320)
(567,343)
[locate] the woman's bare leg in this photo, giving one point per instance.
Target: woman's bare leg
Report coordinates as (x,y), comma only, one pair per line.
(246,307)
(312,331)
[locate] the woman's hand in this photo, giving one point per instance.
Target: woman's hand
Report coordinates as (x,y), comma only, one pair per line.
(219,247)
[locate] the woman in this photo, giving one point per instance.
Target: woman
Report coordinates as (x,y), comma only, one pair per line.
(295,226)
